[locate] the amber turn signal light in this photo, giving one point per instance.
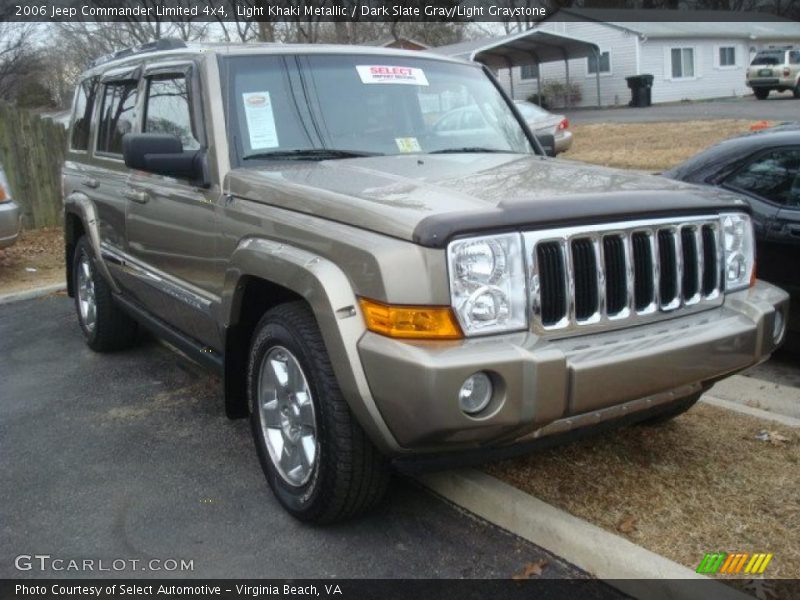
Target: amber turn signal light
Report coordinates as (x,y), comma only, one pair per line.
(411,322)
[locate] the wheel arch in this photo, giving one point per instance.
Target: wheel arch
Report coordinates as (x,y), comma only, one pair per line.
(80,218)
(263,273)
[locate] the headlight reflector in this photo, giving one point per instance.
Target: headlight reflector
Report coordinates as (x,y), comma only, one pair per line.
(739,245)
(487,283)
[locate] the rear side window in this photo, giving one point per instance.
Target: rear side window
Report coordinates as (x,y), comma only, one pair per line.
(82,114)
(117,116)
(169,109)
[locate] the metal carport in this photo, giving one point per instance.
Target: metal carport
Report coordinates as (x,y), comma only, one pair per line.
(531,47)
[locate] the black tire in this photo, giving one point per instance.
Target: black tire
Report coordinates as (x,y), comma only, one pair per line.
(673,410)
(113,329)
(348,475)
(761,93)
(796,90)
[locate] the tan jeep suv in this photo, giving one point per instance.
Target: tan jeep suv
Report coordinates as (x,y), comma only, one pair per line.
(774,69)
(375,292)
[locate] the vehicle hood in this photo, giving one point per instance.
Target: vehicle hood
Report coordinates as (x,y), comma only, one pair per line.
(429,198)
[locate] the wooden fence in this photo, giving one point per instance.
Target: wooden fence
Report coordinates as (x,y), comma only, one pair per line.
(32,152)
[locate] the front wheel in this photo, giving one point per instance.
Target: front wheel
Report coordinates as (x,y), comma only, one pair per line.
(761,93)
(796,90)
(315,456)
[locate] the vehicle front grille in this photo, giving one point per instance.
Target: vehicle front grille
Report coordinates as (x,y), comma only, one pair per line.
(611,275)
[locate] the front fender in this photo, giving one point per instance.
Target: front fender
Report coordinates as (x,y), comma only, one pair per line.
(80,205)
(330,295)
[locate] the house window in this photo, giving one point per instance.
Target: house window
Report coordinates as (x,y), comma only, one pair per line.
(529,71)
(605,63)
(727,56)
(682,62)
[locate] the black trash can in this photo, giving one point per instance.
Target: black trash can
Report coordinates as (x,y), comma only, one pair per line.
(641,90)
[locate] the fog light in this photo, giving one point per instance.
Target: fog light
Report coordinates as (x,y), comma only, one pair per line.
(778,327)
(475,393)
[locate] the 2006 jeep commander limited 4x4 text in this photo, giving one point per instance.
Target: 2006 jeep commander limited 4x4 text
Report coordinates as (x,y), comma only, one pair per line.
(376,283)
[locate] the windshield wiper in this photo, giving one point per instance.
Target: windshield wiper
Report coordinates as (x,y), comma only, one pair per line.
(471,149)
(309,154)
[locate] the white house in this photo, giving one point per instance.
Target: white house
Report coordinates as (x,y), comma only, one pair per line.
(689,60)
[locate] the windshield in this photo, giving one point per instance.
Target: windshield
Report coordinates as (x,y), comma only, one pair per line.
(338,106)
(768,58)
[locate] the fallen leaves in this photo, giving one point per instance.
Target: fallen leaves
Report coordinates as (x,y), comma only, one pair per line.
(627,524)
(531,569)
(773,437)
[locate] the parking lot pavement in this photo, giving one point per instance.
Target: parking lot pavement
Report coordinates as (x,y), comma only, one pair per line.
(130,456)
(778,107)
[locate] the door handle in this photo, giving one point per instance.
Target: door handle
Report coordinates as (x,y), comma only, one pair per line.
(90,182)
(136,196)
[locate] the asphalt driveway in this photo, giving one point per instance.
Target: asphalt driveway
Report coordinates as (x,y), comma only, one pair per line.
(778,107)
(130,456)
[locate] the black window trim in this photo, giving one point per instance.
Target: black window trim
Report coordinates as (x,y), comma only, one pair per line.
(747,161)
(105,83)
(188,70)
(95,84)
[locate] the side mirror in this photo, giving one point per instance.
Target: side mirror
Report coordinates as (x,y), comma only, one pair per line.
(163,154)
(548,143)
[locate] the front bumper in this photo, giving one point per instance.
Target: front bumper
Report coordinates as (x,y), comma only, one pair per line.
(10,223)
(771,83)
(545,386)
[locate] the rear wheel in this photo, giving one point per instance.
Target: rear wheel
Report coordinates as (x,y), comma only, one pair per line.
(796,90)
(315,456)
(105,325)
(761,93)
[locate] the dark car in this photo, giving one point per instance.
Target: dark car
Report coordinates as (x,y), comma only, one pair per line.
(765,167)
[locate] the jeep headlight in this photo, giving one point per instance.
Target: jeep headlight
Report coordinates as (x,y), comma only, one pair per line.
(487,283)
(738,244)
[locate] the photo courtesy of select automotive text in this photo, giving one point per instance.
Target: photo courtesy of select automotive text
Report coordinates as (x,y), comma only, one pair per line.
(400,299)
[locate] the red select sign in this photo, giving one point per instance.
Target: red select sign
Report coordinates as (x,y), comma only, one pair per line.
(401,71)
(391,74)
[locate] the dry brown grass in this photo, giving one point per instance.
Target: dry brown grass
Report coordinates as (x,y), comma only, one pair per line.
(698,484)
(649,146)
(42,250)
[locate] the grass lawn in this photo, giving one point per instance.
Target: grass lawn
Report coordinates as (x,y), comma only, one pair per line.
(701,483)
(649,146)
(37,259)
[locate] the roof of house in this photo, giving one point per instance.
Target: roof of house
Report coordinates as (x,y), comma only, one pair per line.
(693,24)
(525,47)
(388,41)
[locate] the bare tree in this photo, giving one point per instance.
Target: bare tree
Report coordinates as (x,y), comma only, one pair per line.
(18,57)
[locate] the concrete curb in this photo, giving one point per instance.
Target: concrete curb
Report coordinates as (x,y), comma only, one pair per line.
(630,568)
(34,293)
(759,393)
(751,411)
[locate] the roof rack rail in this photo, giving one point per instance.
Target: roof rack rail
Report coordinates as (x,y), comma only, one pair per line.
(160,44)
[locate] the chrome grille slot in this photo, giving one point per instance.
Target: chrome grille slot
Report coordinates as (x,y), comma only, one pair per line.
(611,275)
(644,292)
(710,262)
(584,267)
(616,276)
(692,265)
(668,265)
(552,282)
